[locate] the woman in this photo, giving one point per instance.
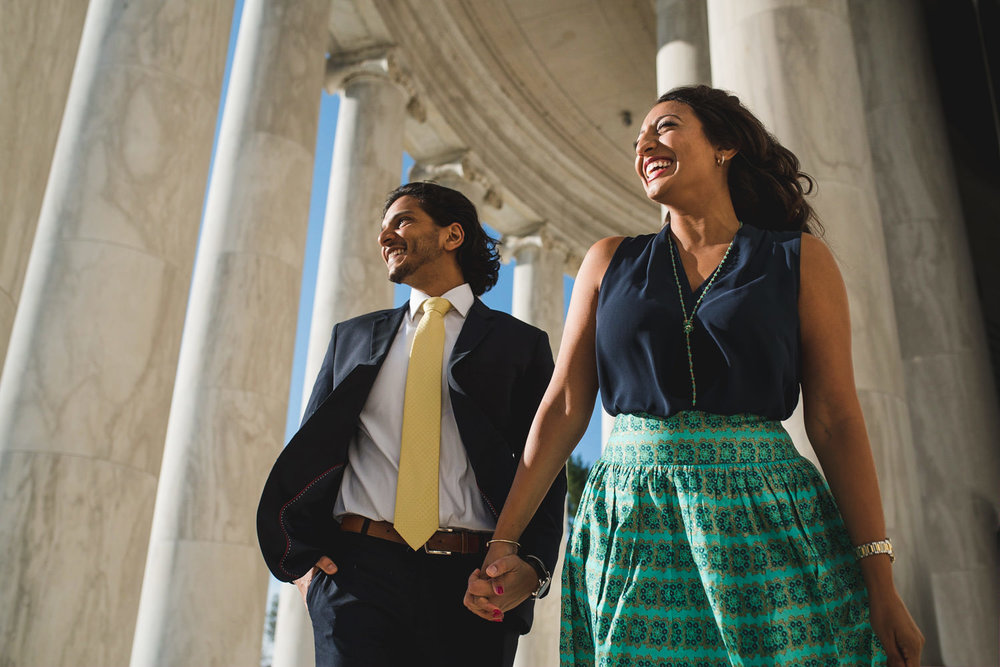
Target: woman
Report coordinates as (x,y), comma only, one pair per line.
(702,536)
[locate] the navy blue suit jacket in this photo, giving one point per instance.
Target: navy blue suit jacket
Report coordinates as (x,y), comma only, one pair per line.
(497,374)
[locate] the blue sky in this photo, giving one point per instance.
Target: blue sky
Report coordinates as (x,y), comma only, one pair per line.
(498,298)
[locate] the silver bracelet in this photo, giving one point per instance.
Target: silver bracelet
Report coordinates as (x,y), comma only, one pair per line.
(877,547)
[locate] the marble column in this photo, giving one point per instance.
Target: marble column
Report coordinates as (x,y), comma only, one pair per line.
(953,403)
(293,634)
(351,279)
(682,40)
(538,300)
(796,428)
(541,645)
(204,591)
(37,53)
(792,62)
(85,391)
(367,159)
(539,264)
(607,424)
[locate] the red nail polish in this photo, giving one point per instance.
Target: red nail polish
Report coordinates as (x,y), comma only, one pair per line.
(499,590)
(497,613)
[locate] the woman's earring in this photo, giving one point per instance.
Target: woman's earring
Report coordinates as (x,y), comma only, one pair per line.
(720,160)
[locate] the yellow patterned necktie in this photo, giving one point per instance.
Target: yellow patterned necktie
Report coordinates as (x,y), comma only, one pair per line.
(416,516)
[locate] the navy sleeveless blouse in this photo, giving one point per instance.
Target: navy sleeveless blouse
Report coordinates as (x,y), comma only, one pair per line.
(745,341)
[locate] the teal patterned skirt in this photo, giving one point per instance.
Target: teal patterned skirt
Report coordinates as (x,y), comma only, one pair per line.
(708,540)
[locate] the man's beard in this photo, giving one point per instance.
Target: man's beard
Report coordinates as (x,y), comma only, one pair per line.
(400,274)
(412,263)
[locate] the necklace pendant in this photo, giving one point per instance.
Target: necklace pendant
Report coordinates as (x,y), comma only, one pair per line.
(688,326)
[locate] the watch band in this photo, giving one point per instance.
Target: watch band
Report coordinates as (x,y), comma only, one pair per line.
(873,548)
(544,578)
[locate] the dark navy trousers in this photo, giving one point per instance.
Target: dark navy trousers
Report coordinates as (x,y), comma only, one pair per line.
(389,606)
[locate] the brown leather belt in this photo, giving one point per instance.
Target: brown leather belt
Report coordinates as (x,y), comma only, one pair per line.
(443,543)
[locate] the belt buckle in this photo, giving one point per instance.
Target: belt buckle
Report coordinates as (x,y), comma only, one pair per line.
(441,552)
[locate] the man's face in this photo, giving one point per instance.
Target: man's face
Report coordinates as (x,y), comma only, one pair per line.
(412,245)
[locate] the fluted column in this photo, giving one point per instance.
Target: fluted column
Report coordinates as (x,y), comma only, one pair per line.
(792,62)
(85,391)
(682,44)
(538,299)
(953,403)
(37,53)
(204,591)
(352,278)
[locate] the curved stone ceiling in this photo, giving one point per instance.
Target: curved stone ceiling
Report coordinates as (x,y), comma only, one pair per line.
(546,94)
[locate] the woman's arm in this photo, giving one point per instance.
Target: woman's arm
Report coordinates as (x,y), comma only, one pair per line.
(836,429)
(562,416)
(568,402)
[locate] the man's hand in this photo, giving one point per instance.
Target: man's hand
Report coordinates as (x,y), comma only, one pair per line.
(325,564)
(506,583)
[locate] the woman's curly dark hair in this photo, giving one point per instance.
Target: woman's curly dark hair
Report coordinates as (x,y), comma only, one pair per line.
(766,185)
(478,256)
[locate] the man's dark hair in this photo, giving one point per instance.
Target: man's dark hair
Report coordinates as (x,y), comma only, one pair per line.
(478,256)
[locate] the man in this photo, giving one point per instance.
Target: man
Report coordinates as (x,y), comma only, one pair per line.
(347,513)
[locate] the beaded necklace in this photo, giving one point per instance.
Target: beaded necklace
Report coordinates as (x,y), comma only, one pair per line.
(689,321)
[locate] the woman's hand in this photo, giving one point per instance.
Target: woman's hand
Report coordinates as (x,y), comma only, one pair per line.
(503,582)
(896,629)
(507,582)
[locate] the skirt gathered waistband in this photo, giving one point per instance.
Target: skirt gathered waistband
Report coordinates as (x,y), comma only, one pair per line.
(695,438)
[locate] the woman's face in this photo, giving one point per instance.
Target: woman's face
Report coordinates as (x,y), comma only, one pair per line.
(673,157)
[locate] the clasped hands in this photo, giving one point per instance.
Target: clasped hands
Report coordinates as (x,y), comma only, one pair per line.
(504,581)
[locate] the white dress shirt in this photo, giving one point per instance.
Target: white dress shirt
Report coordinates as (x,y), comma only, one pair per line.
(369,485)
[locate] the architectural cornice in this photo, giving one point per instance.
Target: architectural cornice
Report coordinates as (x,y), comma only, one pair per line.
(544,149)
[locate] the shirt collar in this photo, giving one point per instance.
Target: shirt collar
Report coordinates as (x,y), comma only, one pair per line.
(461,299)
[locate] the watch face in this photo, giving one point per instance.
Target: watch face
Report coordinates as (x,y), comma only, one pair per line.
(543,587)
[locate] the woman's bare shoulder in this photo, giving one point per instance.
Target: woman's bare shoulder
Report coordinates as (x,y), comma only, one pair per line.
(597,259)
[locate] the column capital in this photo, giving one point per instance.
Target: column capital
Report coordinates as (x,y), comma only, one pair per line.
(460,167)
(515,246)
(378,62)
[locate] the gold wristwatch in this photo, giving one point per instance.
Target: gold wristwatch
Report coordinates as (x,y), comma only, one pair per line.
(877,547)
